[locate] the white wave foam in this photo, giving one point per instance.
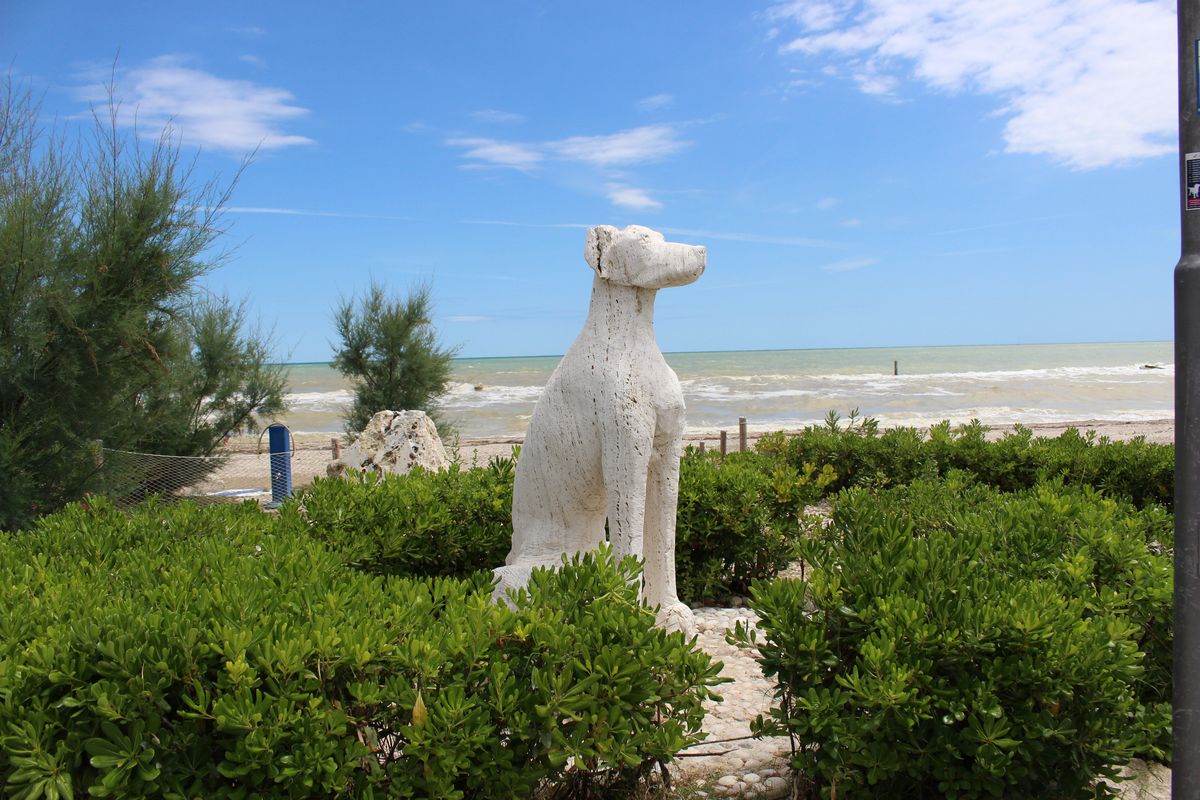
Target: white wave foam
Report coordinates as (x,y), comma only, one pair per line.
(336,400)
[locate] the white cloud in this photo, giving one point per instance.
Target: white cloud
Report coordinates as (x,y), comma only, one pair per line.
(495,116)
(498,154)
(732,236)
(826,203)
(468,318)
(631,197)
(656,102)
(235,116)
(634,146)
(249,31)
(1087,83)
(849,264)
(851,222)
(812,14)
(606,153)
(308,212)
(253,60)
(756,238)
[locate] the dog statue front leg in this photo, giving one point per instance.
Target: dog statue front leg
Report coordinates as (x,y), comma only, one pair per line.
(662,496)
(626,456)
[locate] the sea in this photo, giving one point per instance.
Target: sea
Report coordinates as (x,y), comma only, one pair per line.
(788,389)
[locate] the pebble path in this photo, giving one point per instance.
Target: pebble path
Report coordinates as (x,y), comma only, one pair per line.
(750,768)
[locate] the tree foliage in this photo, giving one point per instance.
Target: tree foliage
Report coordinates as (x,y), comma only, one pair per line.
(102,332)
(389,348)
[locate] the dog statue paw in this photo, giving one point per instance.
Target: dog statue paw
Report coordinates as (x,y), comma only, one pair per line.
(676,616)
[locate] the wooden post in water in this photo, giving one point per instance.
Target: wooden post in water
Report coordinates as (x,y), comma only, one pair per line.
(741,434)
(336,447)
(895,367)
(723,444)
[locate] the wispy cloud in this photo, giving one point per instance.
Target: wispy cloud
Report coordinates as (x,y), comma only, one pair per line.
(495,116)
(851,222)
(249,31)
(656,102)
(631,197)
(756,238)
(625,148)
(468,318)
(634,146)
(849,264)
(306,212)
(978,251)
(1009,223)
(511,224)
(826,203)
(609,154)
(1087,83)
(252,60)
(496,153)
(700,233)
(233,116)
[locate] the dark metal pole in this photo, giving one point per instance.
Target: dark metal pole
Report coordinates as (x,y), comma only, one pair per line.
(1185,778)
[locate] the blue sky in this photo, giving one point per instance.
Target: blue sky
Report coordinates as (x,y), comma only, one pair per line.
(879,173)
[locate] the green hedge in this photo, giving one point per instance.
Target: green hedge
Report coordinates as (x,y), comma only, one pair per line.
(448,523)
(860,455)
(738,520)
(182,652)
(953,640)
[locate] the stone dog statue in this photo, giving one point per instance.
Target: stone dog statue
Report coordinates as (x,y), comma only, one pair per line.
(606,434)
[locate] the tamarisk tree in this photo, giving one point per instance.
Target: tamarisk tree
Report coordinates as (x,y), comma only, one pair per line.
(104,331)
(390,351)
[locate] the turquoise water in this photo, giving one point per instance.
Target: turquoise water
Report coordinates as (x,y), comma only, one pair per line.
(790,388)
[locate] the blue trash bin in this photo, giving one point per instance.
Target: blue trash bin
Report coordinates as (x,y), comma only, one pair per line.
(281,463)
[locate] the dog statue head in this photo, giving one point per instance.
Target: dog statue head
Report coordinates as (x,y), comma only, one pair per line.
(637,256)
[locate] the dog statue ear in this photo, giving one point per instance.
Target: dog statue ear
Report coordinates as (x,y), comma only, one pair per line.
(599,239)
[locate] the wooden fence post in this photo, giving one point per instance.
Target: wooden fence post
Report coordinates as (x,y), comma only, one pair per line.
(336,447)
(741,434)
(723,444)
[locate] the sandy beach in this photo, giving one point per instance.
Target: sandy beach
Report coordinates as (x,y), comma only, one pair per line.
(247,468)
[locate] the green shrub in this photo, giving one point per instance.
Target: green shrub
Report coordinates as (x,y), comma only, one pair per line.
(1111,556)
(182,652)
(956,641)
(448,523)
(738,521)
(860,455)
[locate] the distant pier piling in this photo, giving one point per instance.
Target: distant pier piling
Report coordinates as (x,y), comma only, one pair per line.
(895,367)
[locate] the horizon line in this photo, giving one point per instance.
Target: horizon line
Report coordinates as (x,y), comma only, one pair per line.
(786,350)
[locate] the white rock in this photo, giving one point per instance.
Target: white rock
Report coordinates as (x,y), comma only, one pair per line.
(774,787)
(1145,781)
(751,778)
(394,441)
(606,435)
(728,780)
